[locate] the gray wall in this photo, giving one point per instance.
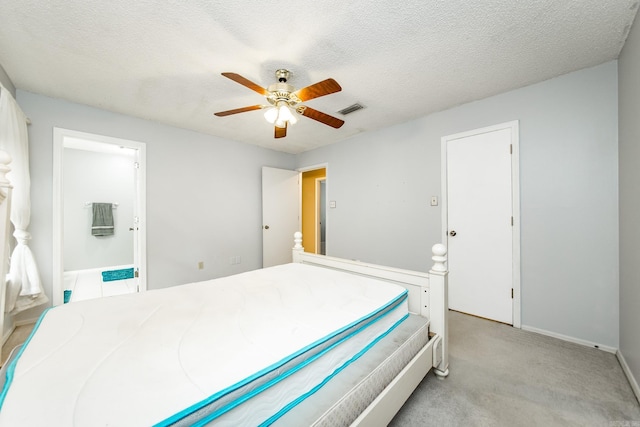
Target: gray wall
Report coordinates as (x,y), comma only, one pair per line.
(382,181)
(6,81)
(97,177)
(203,193)
(629,80)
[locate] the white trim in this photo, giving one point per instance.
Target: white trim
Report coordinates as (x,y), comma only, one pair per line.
(17,323)
(318,212)
(6,336)
(310,168)
(59,135)
(515,211)
(627,371)
(515,207)
(570,339)
(57,294)
(313,167)
(23,322)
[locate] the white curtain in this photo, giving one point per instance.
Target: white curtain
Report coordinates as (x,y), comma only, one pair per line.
(24,289)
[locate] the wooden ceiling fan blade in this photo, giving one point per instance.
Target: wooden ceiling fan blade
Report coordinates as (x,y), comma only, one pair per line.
(322,117)
(317,90)
(238,110)
(246,82)
(280,132)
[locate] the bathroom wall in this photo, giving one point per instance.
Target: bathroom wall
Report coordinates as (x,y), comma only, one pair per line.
(97,177)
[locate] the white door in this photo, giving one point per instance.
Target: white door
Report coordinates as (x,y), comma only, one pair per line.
(479,222)
(280,214)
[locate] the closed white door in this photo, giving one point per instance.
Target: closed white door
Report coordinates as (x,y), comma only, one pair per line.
(479,222)
(280,214)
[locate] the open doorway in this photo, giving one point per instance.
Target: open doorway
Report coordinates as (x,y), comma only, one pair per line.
(99,238)
(321,194)
(314,216)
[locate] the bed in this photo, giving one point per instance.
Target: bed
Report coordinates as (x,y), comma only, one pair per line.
(5,232)
(319,341)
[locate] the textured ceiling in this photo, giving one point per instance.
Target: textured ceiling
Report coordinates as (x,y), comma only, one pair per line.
(161,60)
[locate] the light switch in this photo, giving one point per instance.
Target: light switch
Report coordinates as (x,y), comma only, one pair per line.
(434,200)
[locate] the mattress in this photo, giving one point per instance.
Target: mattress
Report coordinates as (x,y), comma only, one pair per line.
(343,399)
(241,350)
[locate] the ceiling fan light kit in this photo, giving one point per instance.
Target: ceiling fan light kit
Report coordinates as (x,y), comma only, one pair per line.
(280,114)
(284,101)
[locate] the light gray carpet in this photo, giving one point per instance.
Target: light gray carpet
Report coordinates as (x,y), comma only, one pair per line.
(502,376)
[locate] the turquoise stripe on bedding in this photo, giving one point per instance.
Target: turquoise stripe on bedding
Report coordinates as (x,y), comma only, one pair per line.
(301,398)
(320,346)
(12,366)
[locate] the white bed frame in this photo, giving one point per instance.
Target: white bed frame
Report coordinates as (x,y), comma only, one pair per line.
(428,298)
(5,214)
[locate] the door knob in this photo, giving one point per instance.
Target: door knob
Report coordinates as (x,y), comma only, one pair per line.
(266,227)
(452,233)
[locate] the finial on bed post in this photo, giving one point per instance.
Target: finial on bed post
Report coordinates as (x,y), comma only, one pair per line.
(439,314)
(439,257)
(297,246)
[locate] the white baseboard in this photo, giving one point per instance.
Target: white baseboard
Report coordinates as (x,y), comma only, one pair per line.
(8,334)
(571,339)
(15,325)
(26,322)
(629,374)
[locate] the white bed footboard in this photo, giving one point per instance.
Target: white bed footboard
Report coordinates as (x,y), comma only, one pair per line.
(428,293)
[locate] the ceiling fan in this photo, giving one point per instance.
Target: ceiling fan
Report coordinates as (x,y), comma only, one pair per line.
(284,101)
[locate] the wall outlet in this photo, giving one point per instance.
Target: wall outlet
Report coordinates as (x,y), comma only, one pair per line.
(235,260)
(200,265)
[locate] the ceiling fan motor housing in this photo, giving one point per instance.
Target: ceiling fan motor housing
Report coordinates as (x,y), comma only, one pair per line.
(282,92)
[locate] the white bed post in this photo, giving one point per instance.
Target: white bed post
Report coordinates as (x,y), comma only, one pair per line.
(297,246)
(439,306)
(5,214)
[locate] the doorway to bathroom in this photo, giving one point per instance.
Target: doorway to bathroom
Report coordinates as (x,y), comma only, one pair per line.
(99,233)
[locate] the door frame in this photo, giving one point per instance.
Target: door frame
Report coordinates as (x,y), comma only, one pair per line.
(515,201)
(301,170)
(59,136)
(318,211)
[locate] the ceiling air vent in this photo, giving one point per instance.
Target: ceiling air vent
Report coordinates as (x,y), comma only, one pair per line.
(351,108)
